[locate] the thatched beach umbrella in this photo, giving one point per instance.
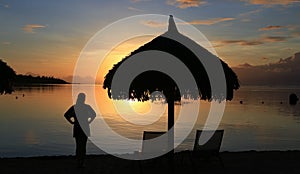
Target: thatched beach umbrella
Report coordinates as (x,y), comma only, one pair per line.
(149,81)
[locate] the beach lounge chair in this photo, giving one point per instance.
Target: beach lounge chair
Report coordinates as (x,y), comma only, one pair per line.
(207,145)
(156,145)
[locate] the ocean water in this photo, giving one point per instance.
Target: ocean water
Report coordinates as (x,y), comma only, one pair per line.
(32,122)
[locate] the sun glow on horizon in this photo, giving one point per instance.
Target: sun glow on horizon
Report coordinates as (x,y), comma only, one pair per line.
(118,53)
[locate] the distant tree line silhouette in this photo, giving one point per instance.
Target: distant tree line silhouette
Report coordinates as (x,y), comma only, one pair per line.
(29,79)
(9,78)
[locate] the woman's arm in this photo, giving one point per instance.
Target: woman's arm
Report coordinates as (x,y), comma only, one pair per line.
(70,115)
(92,114)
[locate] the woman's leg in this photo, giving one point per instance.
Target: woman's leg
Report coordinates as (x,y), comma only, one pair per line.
(81,149)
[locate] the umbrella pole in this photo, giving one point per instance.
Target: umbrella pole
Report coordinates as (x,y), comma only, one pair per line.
(171,123)
(171,132)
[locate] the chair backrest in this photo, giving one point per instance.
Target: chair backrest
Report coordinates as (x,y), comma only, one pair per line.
(212,141)
(153,143)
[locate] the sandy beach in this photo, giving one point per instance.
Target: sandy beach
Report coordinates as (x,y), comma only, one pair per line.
(234,162)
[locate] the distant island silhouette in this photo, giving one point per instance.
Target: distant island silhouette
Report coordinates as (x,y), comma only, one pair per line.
(9,78)
(29,79)
(285,71)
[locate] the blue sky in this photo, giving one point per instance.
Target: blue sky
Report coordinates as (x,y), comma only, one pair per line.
(46,37)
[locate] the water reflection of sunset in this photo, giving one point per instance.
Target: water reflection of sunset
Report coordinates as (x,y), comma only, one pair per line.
(140,107)
(30,137)
(133,110)
(247,125)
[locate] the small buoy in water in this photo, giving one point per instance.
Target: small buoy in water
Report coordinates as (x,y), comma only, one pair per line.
(262,102)
(293,99)
(16,97)
(280,102)
(241,102)
(23,95)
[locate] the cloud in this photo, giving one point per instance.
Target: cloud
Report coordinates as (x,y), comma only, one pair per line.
(296,33)
(275,38)
(247,42)
(29,28)
(271,27)
(135,9)
(238,42)
(295,30)
(4,5)
(136,1)
(272,2)
(210,21)
(259,41)
(283,72)
(186,3)
(154,24)
(194,22)
(291,30)
(6,43)
(250,13)
(246,17)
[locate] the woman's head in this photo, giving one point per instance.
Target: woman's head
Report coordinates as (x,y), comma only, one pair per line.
(80,98)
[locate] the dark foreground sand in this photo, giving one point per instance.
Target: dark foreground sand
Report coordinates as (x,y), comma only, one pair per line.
(287,162)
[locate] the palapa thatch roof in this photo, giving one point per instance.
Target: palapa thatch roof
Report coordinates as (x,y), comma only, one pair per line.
(151,81)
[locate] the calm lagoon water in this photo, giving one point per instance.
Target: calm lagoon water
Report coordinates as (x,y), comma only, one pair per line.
(33,124)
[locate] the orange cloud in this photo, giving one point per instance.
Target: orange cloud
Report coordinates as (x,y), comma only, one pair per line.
(186,3)
(240,42)
(275,38)
(154,24)
(273,2)
(271,27)
(260,41)
(29,28)
(210,21)
(194,22)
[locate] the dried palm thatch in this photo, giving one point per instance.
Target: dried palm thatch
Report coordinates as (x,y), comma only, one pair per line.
(146,83)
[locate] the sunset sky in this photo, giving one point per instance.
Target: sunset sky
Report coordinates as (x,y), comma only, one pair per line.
(46,37)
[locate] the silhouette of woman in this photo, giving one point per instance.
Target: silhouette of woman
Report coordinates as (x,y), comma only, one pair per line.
(80,115)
